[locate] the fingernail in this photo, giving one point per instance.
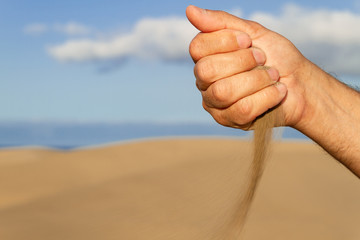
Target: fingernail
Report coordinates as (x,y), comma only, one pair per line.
(273,73)
(259,56)
(281,88)
(243,40)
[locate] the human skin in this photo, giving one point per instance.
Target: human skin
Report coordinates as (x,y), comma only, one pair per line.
(227,54)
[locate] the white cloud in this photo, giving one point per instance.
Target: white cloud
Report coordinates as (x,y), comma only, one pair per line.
(330,38)
(163,38)
(35,28)
(306,25)
(72,28)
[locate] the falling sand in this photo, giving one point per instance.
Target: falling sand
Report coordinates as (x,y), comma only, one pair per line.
(262,139)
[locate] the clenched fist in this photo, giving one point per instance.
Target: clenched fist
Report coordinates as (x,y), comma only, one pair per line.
(243,69)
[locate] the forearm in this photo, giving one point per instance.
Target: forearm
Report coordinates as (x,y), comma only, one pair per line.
(332,118)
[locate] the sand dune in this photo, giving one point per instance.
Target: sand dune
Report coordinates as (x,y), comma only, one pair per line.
(174,189)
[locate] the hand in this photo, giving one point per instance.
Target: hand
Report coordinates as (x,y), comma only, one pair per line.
(228,53)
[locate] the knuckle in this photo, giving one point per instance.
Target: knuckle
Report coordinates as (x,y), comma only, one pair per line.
(198,85)
(206,108)
(205,69)
(220,119)
(245,108)
(219,92)
(217,115)
(194,48)
(198,71)
(237,119)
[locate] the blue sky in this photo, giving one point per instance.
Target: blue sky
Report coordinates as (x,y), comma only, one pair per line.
(73,61)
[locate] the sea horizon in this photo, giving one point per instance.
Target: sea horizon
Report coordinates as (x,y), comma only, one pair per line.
(70,135)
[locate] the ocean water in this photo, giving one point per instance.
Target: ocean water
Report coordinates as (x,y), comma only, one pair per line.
(73,135)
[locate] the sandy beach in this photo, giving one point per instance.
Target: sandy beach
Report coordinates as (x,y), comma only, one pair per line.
(174,189)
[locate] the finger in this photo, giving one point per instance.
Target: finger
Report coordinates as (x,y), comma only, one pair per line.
(210,20)
(222,41)
(244,111)
(212,68)
(225,92)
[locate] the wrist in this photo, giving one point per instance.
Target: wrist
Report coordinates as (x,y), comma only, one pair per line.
(315,87)
(331,117)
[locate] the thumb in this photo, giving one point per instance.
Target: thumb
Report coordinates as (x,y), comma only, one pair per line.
(210,20)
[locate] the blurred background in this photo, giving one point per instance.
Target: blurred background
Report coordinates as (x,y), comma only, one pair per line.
(79,73)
